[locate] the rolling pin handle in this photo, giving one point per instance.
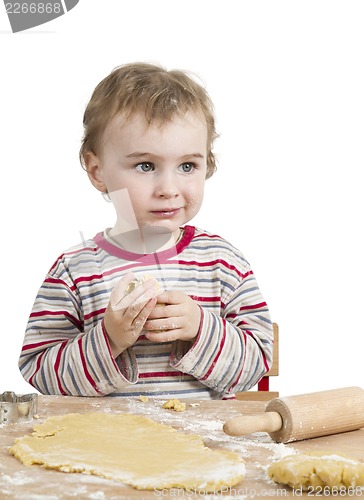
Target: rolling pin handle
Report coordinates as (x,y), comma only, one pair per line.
(266,422)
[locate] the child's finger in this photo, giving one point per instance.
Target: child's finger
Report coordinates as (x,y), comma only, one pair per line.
(163,336)
(133,305)
(140,319)
(165,311)
(161,325)
(171,297)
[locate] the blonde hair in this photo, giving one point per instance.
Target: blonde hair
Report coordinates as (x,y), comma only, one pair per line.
(159,93)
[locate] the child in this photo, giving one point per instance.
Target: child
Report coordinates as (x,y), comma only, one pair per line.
(195,324)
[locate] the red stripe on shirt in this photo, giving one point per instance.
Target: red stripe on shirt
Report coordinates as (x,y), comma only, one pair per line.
(59,281)
(41,344)
(37,367)
(253,306)
(95,313)
(74,320)
(159,374)
(205,299)
(56,368)
(84,366)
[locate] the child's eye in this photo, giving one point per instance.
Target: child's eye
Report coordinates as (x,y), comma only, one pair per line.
(186,168)
(144,167)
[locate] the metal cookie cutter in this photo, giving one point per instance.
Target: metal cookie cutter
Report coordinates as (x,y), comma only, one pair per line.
(17,409)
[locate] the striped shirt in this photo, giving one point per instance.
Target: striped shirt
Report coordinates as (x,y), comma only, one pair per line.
(66,349)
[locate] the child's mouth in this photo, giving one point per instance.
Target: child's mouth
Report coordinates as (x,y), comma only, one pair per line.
(166,213)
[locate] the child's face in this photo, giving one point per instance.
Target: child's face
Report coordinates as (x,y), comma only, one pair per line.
(163,168)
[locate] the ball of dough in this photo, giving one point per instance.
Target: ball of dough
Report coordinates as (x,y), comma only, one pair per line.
(135,282)
(174,404)
(318,469)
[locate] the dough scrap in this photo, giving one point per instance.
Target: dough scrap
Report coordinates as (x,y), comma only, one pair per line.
(129,448)
(174,404)
(318,469)
(135,282)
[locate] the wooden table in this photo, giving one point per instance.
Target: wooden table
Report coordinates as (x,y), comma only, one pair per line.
(201,417)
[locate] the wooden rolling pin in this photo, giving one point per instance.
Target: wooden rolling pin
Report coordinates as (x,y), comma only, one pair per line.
(305,416)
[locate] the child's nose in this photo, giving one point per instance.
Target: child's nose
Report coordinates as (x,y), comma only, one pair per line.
(167,186)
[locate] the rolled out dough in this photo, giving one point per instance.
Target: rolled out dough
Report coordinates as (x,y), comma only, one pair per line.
(129,448)
(319,469)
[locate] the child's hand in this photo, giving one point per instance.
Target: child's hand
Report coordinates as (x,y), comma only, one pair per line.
(125,315)
(176,316)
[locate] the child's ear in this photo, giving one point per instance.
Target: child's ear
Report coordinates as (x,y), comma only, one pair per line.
(94,170)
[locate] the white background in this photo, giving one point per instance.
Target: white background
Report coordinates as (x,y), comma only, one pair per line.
(287,80)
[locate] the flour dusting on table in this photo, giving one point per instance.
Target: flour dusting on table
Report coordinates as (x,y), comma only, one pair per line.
(257,450)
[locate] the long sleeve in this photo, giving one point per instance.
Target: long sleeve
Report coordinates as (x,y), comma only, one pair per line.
(60,356)
(234,349)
